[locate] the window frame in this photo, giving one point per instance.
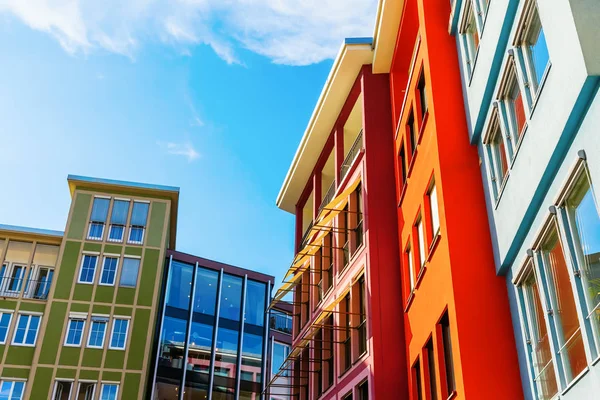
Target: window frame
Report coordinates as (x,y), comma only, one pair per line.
(84,255)
(493,150)
(30,315)
(143,228)
(103,224)
(62,380)
(122,226)
(139,267)
(73,318)
(13,381)
(10,320)
(435,231)
(112,331)
(470,51)
(103,384)
(105,321)
(106,256)
(86,381)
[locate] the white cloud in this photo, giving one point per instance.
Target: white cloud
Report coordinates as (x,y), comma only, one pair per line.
(185,149)
(294,32)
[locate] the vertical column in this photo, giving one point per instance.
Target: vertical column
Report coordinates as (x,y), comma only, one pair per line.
(162,320)
(339,152)
(317,193)
(186,345)
(211,374)
(265,341)
(241,339)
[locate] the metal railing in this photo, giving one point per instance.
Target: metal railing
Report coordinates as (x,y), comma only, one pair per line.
(352,154)
(280,322)
(27,288)
(328,195)
(305,235)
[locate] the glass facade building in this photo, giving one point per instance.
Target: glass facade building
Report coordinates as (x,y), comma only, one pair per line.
(213,331)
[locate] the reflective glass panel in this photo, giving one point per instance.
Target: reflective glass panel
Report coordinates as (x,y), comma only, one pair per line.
(231,297)
(205,300)
(179,291)
(252,357)
(255,303)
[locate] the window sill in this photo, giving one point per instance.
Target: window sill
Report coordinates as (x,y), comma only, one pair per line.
(115,240)
(501,191)
(433,245)
(539,89)
(22,345)
(423,125)
(106,284)
(575,380)
(402,193)
(71,345)
(420,276)
(452,395)
(94,347)
(409,301)
(474,64)
(95,239)
(85,283)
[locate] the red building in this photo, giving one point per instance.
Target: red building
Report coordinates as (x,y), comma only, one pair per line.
(345,276)
(458,332)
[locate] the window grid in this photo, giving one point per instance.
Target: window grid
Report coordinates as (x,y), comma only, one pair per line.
(74,331)
(11,389)
(97,332)
(26,330)
(5,319)
(109,271)
(119,333)
(88,268)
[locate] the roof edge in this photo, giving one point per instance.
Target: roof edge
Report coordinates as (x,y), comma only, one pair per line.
(31,231)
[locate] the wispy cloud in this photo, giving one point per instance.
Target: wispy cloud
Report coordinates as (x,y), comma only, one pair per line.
(293,32)
(185,149)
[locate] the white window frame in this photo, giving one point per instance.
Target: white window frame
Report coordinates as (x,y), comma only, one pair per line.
(470,52)
(29,314)
(95,238)
(110,227)
(7,278)
(75,317)
(140,242)
(139,258)
(95,383)
(105,256)
(9,312)
(63,380)
(109,383)
(112,331)
(420,228)
(88,345)
(435,231)
(285,374)
(12,387)
(495,164)
(91,254)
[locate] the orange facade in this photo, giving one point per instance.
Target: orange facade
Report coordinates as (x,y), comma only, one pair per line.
(458,331)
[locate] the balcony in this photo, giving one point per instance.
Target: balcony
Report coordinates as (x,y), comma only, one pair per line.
(328,196)
(26,288)
(354,151)
(281,322)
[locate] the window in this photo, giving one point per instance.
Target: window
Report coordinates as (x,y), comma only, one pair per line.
(497,156)
(358,230)
(11,390)
(409,262)
(74,331)
(363,391)
(98,218)
(129,274)
(422,91)
(434,210)
(421,243)
(62,390)
(109,271)
(97,331)
(280,321)
(431,369)
(27,330)
(417,387)
(328,351)
(109,391)
(584,225)
(562,304)
(347,337)
(280,353)
(512,107)
(88,269)
(362,325)
(345,238)
(412,133)
(538,340)
(469,36)
(5,318)
(534,50)
(39,282)
(402,166)
(139,215)
(15,279)
(86,390)
(448,359)
(118,336)
(118,220)
(347,396)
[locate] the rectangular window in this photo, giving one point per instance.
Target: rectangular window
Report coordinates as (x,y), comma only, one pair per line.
(109,391)
(411,133)
(118,336)
(498,156)
(362,327)
(5,319)
(98,218)
(88,269)
(97,332)
(584,226)
(417,387)
(431,369)
(434,210)
(421,243)
(118,220)
(534,48)
(409,262)
(347,337)
(328,356)
(422,91)
(358,230)
(562,301)
(39,282)
(347,396)
(469,36)
(15,280)
(448,358)
(139,216)
(11,390)
(74,332)
(513,107)
(86,390)
(345,238)
(26,330)
(402,167)
(62,390)
(129,274)
(109,271)
(538,339)
(363,391)
(280,353)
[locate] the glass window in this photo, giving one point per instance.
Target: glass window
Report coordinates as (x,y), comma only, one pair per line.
(255,303)
(139,215)
(74,332)
(536,48)
(231,297)
(280,321)
(363,391)
(515,106)
(416,380)
(565,317)
(62,390)
(5,319)
(109,391)
(421,242)
(15,279)
(118,337)
(97,331)
(252,349)
(179,291)
(172,343)
(280,353)
(205,300)
(412,132)
(118,220)
(88,269)
(346,323)
(12,390)
(27,330)
(98,218)
(86,391)
(538,339)
(421,87)
(411,268)
(402,166)
(499,167)
(584,223)
(226,358)
(470,37)
(129,275)
(435,212)
(448,357)
(109,271)
(431,369)
(39,288)
(362,309)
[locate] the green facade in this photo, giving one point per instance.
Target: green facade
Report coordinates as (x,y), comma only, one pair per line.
(50,359)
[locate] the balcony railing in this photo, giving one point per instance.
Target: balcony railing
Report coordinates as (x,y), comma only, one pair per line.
(328,196)
(305,235)
(27,288)
(352,154)
(280,322)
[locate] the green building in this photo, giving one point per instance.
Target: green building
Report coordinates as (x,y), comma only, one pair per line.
(78,309)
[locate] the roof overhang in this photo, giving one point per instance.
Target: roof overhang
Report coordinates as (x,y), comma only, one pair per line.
(354,53)
(389,15)
(26,233)
(136,188)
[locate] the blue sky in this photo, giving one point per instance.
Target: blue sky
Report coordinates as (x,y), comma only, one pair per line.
(210,96)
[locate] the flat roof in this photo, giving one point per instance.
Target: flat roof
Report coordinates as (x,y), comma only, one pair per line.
(114,182)
(353,54)
(31,231)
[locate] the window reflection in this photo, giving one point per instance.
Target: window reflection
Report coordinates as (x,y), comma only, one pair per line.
(179,291)
(205,299)
(251,357)
(255,303)
(225,363)
(231,297)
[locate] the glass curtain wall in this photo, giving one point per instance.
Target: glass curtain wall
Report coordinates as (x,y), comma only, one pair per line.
(252,347)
